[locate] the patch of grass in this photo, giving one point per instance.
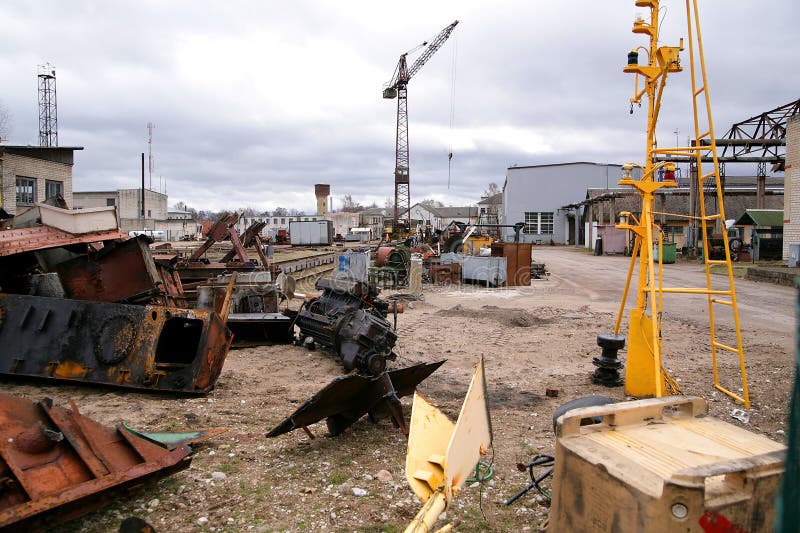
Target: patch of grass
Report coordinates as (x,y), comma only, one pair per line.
(739,271)
(170,484)
(337,478)
(380,528)
(230,466)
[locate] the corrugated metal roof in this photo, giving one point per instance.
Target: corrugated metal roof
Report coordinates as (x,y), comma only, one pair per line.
(761,218)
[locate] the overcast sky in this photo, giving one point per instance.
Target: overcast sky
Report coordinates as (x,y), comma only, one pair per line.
(254,102)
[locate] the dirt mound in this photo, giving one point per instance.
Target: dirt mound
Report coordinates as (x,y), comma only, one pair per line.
(512,317)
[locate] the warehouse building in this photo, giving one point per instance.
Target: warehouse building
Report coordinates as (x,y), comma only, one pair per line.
(175,225)
(535,194)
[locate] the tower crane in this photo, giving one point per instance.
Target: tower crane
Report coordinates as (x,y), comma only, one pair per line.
(397,88)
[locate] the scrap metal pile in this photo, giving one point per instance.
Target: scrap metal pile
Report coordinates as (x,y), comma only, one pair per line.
(350,320)
(81,303)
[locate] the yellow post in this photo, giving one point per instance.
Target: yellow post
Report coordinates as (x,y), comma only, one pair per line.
(644,374)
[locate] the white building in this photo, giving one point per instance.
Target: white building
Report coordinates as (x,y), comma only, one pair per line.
(535,195)
(441,217)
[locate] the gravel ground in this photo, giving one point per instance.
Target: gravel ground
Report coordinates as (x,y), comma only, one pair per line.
(532,338)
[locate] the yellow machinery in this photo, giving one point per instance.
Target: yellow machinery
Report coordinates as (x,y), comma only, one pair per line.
(645,374)
(441,455)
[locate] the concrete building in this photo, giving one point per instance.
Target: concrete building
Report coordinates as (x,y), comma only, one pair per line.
(375,219)
(535,194)
(490,209)
(274,223)
(31,174)
(791,205)
(176,225)
(343,222)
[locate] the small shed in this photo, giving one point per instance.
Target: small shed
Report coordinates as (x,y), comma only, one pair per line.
(763,230)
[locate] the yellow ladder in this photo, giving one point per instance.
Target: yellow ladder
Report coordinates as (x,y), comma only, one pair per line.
(704,130)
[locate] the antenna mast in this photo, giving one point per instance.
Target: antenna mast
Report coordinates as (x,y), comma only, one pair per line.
(48,110)
(150,161)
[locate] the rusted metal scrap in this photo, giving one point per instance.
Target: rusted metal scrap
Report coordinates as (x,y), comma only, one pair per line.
(57,465)
(155,348)
(254,317)
(121,272)
(197,269)
(347,398)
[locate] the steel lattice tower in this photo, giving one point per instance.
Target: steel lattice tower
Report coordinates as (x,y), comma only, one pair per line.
(48,109)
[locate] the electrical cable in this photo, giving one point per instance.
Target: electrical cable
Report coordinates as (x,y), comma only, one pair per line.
(490,469)
(452,106)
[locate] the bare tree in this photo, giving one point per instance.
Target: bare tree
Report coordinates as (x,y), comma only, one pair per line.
(430,202)
(389,203)
(491,190)
(280,212)
(349,205)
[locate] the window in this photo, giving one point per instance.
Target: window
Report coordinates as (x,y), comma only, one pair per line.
(26,191)
(53,189)
(546,223)
(111,202)
(274,220)
(538,223)
(283,221)
(149,213)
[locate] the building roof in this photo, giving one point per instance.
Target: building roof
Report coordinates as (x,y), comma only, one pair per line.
(383,211)
(761,218)
(32,147)
(454,212)
(674,202)
(495,199)
(564,164)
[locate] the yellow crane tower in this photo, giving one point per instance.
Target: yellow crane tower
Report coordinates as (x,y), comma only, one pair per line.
(645,374)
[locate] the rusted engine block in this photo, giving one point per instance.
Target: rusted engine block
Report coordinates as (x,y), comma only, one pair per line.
(350,320)
(143,347)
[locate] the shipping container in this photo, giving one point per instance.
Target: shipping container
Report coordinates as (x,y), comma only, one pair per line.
(311,232)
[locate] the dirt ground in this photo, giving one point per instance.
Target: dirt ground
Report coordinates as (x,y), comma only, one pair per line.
(532,338)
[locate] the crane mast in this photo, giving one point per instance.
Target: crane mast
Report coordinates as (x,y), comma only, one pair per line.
(397,88)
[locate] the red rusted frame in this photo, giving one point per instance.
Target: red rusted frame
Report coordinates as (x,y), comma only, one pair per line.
(57,464)
(14,241)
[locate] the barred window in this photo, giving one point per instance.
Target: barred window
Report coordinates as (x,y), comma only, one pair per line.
(26,191)
(538,223)
(53,189)
(546,223)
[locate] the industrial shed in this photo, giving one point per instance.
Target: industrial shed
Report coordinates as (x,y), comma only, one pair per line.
(535,195)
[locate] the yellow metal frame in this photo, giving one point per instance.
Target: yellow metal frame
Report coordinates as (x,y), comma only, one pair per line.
(645,375)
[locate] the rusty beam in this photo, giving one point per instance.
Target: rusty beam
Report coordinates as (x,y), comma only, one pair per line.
(154,348)
(218,233)
(251,238)
(15,241)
